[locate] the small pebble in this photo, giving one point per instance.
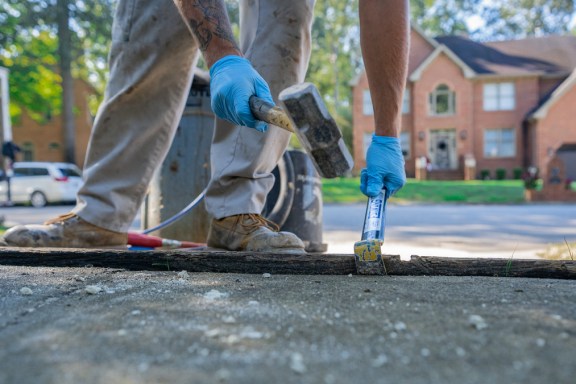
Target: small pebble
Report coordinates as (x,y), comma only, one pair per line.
(214,294)
(25,291)
(93,289)
(183,274)
(379,361)
(400,326)
(297,363)
(477,322)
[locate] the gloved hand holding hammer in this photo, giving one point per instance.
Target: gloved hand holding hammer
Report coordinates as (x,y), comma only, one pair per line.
(233,81)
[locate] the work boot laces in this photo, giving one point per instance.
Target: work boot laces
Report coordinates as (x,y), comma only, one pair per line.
(257,221)
(61,218)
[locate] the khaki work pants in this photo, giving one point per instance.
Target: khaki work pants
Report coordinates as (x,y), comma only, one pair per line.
(151,61)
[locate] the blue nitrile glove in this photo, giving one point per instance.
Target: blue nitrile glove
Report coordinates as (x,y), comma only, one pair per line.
(384,167)
(232,81)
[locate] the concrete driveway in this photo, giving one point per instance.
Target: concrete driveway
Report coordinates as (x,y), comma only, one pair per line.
(103,325)
(521,231)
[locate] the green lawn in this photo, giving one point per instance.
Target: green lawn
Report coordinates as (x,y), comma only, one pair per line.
(346,190)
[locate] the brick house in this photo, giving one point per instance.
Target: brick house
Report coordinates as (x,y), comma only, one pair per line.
(505,105)
(45,141)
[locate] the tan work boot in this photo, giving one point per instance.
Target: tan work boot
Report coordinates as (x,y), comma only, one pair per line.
(66,231)
(251,232)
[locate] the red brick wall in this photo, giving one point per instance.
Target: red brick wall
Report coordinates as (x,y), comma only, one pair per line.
(419,50)
(544,136)
(526,91)
(362,123)
(41,136)
(556,128)
(443,71)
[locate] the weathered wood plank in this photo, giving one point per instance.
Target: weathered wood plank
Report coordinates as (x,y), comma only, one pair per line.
(201,261)
(308,264)
(449,266)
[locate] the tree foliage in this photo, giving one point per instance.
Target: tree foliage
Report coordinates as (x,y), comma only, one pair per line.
(514,19)
(29,41)
(444,17)
(29,49)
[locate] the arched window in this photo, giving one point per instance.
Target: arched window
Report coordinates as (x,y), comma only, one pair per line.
(442,101)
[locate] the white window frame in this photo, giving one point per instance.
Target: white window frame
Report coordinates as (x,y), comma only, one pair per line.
(442,90)
(367,108)
(406,102)
(499,96)
(499,146)
(405,144)
(366,141)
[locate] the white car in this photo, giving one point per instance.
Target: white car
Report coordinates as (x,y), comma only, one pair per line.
(41,183)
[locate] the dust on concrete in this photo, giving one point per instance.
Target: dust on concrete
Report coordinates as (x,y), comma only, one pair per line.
(94,325)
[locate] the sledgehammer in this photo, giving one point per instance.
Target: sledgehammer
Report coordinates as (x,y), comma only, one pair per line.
(307,116)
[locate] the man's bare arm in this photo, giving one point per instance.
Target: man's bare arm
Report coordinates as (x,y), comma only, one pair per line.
(209,23)
(384,37)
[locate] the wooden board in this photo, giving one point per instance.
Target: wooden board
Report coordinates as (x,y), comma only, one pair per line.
(307,264)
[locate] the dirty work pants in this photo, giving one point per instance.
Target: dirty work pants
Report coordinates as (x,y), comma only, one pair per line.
(151,61)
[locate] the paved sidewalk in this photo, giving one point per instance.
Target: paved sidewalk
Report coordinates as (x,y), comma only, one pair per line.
(92,325)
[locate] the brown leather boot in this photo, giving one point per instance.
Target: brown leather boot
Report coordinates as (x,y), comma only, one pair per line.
(66,231)
(251,232)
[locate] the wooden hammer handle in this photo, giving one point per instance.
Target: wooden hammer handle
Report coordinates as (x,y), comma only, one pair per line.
(270,113)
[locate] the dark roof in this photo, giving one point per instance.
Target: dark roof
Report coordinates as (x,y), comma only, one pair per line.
(569,147)
(550,55)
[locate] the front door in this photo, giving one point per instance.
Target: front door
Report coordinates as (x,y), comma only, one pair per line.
(442,149)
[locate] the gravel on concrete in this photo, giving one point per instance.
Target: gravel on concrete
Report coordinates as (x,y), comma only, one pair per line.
(95,325)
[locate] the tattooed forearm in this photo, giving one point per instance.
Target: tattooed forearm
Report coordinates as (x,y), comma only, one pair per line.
(209,23)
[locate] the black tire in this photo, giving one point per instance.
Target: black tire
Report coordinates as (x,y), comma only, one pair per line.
(279,200)
(38,199)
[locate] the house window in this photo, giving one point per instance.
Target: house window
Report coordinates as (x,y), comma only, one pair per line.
(499,142)
(405,144)
(367,140)
(442,101)
(499,97)
(27,151)
(406,102)
(367,103)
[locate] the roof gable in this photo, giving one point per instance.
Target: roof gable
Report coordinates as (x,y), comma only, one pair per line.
(554,96)
(466,70)
(513,58)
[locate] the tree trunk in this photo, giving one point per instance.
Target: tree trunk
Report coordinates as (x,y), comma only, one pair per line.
(65,53)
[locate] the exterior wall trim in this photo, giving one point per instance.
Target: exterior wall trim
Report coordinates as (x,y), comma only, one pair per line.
(417,74)
(566,85)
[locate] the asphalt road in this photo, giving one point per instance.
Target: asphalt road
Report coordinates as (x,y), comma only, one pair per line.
(520,231)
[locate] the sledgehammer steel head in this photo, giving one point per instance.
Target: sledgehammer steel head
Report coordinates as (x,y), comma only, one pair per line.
(317,130)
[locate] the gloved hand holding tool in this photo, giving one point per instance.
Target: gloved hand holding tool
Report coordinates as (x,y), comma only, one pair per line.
(384,174)
(384,167)
(232,81)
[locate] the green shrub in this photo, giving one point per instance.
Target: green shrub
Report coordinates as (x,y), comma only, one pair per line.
(485,174)
(517,172)
(500,174)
